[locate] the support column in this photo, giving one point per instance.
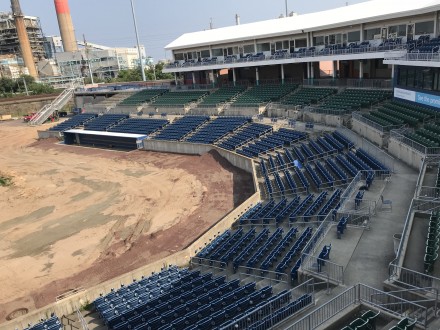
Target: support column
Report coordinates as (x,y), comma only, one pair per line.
(282,74)
(312,71)
(213,78)
(335,69)
(193,78)
(361,69)
(175,78)
(257,76)
(234,78)
(392,71)
(308,70)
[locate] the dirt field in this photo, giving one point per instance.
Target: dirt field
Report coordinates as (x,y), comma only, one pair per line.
(75,217)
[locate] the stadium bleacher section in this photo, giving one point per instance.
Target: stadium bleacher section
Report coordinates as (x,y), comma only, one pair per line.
(139,126)
(178,99)
(74,122)
(258,95)
(222,95)
(244,135)
(180,127)
(216,129)
(183,299)
(143,96)
(104,122)
(52,323)
(308,96)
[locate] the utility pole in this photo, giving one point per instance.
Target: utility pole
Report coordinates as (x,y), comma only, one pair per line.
(25,87)
(88,59)
(287,14)
(137,41)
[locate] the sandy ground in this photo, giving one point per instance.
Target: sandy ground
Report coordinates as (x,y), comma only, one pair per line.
(75,217)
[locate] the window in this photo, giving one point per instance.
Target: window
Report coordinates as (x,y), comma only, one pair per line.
(217,52)
(318,41)
(204,53)
(425,27)
(178,56)
(353,36)
(370,33)
(427,79)
(264,47)
(396,31)
(248,49)
(301,43)
(285,44)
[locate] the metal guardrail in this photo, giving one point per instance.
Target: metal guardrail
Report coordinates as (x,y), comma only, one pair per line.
(82,321)
(324,269)
(362,294)
(350,83)
(383,129)
(295,55)
(410,278)
(250,318)
(398,135)
(431,57)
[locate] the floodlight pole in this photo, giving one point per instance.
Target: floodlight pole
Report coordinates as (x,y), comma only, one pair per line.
(286,9)
(137,40)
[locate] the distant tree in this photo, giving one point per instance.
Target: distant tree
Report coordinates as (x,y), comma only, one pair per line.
(38,88)
(7,86)
(129,75)
(157,70)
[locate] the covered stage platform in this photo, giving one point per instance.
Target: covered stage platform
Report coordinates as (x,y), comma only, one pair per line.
(122,141)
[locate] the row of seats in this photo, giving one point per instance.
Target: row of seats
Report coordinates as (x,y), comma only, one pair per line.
(405,324)
(75,121)
(341,226)
(333,203)
(294,251)
(354,99)
(216,129)
(367,320)
(143,96)
(432,242)
(180,127)
(308,96)
(271,141)
(222,95)
(262,94)
(104,122)
(52,323)
(178,99)
(139,126)
(244,135)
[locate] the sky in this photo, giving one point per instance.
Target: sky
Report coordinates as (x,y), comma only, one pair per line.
(110,22)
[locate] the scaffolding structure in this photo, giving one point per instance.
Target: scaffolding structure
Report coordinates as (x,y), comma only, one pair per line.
(9,43)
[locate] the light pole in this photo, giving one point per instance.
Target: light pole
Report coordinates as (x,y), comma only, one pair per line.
(137,40)
(286,9)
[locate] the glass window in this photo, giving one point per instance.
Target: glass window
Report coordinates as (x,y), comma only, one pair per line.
(286,44)
(425,27)
(338,38)
(204,53)
(318,41)
(395,31)
(353,36)
(217,52)
(264,47)
(300,43)
(402,77)
(279,45)
(370,33)
(410,78)
(427,79)
(332,39)
(248,49)
(178,56)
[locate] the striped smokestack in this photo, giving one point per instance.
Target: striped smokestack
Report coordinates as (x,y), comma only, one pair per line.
(66,25)
(23,39)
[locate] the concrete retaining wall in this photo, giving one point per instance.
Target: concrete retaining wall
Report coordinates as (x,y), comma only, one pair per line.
(405,153)
(329,120)
(238,111)
(48,134)
(368,132)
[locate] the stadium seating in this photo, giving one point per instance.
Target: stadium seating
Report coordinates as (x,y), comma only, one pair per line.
(143,96)
(75,121)
(180,127)
(216,129)
(52,323)
(278,139)
(222,95)
(354,99)
(432,242)
(244,135)
(366,321)
(308,96)
(178,99)
(262,94)
(104,122)
(139,126)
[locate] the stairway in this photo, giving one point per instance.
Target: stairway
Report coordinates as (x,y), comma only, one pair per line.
(45,112)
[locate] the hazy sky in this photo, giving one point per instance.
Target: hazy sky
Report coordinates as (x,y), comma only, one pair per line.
(109,22)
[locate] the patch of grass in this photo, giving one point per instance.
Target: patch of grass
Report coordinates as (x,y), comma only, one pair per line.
(5,181)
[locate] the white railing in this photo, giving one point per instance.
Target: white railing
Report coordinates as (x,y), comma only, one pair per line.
(431,57)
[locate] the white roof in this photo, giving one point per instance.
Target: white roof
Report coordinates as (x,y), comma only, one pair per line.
(372,10)
(129,135)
